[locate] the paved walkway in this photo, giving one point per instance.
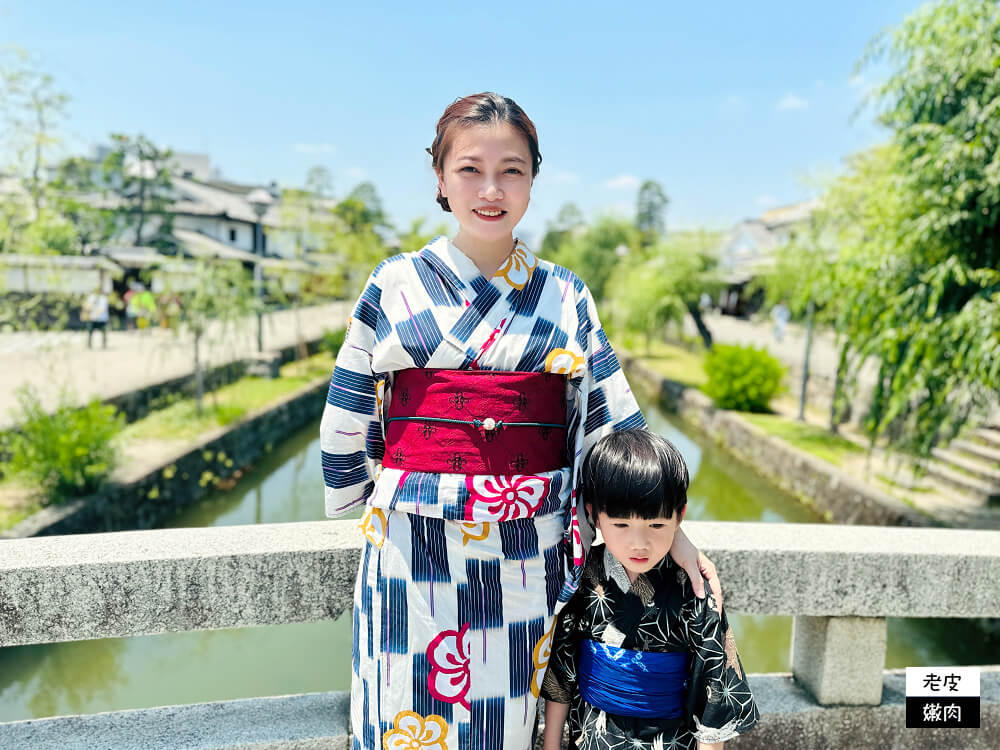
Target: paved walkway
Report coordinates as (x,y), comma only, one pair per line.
(52,362)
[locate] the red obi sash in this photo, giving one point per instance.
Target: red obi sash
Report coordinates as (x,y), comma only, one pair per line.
(476,422)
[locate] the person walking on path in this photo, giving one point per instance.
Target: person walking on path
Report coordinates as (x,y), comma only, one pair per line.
(473,379)
(780,314)
(96,312)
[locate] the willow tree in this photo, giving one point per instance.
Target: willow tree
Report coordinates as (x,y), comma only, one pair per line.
(660,284)
(917,225)
(219,302)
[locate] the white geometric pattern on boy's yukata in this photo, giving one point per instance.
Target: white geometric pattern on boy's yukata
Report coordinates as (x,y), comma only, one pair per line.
(461,575)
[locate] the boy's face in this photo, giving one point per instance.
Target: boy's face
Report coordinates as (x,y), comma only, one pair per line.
(638,543)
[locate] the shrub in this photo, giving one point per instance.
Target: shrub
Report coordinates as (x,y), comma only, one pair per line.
(743,378)
(333,340)
(66,453)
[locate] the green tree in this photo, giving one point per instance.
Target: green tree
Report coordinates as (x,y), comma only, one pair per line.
(15,216)
(138,173)
(917,226)
(50,234)
(72,194)
(33,108)
(592,255)
(660,284)
(651,211)
(362,208)
(414,238)
(568,221)
(319,181)
(222,298)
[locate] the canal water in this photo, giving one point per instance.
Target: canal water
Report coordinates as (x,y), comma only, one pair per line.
(113,674)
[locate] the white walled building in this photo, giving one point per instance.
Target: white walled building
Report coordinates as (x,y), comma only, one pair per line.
(748,250)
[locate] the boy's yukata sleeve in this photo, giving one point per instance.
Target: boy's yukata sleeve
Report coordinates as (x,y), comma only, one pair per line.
(719,697)
(560,682)
(351,439)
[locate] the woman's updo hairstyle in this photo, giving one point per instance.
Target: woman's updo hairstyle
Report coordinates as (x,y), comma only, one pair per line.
(486,108)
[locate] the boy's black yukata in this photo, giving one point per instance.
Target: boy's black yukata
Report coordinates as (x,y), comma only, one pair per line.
(657,613)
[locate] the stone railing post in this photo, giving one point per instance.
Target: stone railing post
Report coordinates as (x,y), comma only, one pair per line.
(840,659)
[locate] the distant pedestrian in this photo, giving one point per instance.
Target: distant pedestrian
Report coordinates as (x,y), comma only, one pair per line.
(132,305)
(144,304)
(780,314)
(96,313)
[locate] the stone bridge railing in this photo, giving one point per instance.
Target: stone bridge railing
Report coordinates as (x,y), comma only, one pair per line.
(839,582)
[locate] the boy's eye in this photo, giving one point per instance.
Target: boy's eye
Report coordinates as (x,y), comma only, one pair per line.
(620,525)
(657,525)
(514,170)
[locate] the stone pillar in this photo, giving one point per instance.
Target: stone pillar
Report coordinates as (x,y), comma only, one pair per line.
(840,659)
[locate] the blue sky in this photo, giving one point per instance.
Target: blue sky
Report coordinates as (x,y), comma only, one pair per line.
(733,108)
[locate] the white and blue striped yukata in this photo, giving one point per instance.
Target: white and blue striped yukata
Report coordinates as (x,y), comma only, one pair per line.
(461,575)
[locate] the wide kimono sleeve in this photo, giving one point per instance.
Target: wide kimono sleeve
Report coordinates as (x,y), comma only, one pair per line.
(560,683)
(351,439)
(719,698)
(604,402)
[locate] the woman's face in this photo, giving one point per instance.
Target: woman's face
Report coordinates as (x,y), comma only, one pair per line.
(486,177)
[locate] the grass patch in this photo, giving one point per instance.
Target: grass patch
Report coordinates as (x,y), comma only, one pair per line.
(810,438)
(671,361)
(17,502)
(898,485)
(180,420)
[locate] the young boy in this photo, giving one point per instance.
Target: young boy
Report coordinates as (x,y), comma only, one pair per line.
(637,660)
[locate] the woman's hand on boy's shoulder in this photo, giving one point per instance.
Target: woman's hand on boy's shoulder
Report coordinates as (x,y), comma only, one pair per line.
(707,568)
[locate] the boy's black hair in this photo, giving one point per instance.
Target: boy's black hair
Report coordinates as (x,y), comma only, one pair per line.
(635,473)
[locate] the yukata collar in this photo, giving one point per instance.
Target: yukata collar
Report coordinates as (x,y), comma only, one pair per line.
(459,269)
(643,584)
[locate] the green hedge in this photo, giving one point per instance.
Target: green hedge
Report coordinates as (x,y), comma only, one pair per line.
(742,378)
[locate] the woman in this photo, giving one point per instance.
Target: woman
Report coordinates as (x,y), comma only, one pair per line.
(473,380)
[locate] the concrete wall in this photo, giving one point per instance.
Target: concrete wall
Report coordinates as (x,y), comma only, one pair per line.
(789,719)
(144,582)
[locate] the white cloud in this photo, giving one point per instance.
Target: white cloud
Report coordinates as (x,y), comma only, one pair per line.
(313,148)
(791,101)
(857,81)
(734,104)
(623,182)
(355,173)
(766,201)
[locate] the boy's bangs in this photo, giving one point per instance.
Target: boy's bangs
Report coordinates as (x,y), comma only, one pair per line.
(635,473)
